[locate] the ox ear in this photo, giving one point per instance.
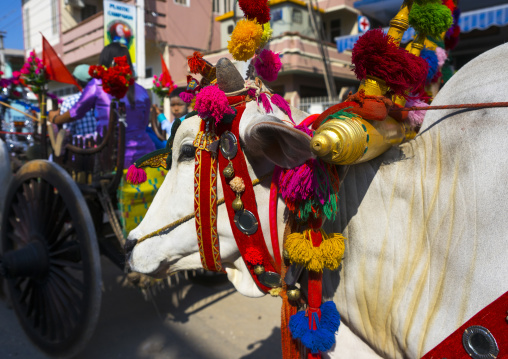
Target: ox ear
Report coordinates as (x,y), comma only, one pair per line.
(282,145)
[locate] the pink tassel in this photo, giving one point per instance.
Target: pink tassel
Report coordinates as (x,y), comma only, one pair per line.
(187,97)
(266,103)
(136,175)
(415,118)
(279,101)
(297,184)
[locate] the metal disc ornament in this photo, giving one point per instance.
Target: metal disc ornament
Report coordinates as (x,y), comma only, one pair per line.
(270,279)
(228,145)
(246,222)
(479,343)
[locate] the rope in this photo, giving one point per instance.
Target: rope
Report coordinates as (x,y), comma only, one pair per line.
(15,109)
(190,216)
(446,107)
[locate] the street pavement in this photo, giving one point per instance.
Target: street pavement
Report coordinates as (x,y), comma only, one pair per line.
(189,320)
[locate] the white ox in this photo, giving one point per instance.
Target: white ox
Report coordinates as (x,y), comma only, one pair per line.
(426,222)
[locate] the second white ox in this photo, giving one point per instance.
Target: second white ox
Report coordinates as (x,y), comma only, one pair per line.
(426,222)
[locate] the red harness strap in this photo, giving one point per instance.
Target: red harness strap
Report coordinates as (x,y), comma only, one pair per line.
(205,199)
(493,317)
(243,241)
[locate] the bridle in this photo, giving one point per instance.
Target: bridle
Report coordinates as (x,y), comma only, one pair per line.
(219,154)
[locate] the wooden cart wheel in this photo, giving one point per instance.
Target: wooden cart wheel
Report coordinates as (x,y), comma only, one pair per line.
(51,259)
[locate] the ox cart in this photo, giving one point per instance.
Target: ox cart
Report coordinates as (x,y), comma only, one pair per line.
(57,218)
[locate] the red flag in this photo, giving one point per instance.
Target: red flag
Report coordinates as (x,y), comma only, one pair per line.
(166,77)
(54,66)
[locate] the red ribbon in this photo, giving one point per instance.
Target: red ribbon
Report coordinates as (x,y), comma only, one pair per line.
(248,198)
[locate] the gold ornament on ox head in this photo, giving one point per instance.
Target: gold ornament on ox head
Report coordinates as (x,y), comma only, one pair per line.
(400,23)
(339,141)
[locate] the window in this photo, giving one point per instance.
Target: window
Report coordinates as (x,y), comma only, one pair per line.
(88,11)
(54,17)
(335,28)
(182,2)
(26,20)
(276,15)
(227,6)
(230,29)
(297,16)
(148,72)
(215,6)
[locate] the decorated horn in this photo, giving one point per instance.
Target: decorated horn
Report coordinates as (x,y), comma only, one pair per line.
(228,77)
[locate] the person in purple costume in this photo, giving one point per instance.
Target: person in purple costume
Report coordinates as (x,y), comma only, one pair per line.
(137,103)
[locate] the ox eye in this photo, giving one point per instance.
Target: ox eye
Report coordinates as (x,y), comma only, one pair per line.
(187,153)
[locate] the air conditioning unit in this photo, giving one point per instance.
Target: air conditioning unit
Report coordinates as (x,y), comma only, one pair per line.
(75,3)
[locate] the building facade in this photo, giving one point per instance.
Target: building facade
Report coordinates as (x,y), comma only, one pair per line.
(176,28)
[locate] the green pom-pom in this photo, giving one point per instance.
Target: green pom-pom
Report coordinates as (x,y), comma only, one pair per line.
(430,19)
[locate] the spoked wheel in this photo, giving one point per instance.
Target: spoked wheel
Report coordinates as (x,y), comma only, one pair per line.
(51,259)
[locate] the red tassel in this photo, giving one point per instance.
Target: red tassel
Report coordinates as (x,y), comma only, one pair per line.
(376,54)
(196,63)
(255,9)
(136,175)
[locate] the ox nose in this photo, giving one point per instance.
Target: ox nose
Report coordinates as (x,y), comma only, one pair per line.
(128,247)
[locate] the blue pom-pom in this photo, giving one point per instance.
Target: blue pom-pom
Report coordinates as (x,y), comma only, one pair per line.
(298,325)
(330,317)
(431,58)
(323,338)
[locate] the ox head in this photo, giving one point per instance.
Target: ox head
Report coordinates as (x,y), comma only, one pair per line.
(266,139)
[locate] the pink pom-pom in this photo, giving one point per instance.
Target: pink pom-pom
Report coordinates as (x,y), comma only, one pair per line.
(268,65)
(441,56)
(136,175)
(211,102)
(186,97)
(266,103)
(279,101)
(415,118)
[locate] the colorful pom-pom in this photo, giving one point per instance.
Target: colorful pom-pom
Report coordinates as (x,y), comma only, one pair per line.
(245,39)
(186,97)
(253,256)
(415,118)
(323,338)
(255,9)
(211,102)
(268,65)
(376,54)
(441,56)
(430,19)
(196,63)
(135,175)
(431,58)
(237,184)
(267,34)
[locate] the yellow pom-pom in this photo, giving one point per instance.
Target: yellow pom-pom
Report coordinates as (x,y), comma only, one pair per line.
(332,250)
(245,39)
(267,34)
(299,248)
(316,263)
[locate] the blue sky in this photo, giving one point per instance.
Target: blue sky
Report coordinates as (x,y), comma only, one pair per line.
(11,22)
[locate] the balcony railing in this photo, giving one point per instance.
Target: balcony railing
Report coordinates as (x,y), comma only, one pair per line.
(84,40)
